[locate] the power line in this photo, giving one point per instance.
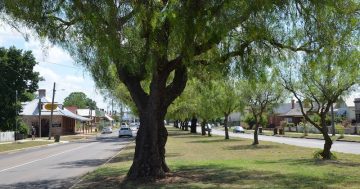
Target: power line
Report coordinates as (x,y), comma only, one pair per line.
(60,64)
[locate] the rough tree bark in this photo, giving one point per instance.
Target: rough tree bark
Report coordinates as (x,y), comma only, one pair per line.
(149,159)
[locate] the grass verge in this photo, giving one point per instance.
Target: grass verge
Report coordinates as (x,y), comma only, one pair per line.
(20,145)
(212,162)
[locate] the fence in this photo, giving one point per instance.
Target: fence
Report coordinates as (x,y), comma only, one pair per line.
(312,129)
(7,136)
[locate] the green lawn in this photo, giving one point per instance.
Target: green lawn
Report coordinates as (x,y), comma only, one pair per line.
(211,162)
(301,135)
(20,145)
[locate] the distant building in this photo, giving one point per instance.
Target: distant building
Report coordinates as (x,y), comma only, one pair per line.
(63,119)
(357,110)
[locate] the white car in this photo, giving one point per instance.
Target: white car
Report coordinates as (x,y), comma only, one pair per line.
(125,131)
(106,130)
(123,124)
(238,129)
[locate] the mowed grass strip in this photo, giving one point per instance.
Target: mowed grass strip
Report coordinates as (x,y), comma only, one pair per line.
(212,162)
(21,145)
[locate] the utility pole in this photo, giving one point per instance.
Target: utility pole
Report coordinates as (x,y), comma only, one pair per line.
(16,112)
(112,106)
(52,111)
(39,116)
(332,120)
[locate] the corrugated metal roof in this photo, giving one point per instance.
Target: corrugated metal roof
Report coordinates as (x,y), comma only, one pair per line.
(86,112)
(31,108)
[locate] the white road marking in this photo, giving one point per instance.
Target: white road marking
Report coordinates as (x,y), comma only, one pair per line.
(3,170)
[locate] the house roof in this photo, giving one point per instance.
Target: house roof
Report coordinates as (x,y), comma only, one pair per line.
(108,117)
(31,109)
(86,112)
(284,108)
(296,112)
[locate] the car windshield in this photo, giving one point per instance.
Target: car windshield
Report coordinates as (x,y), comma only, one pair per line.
(124,128)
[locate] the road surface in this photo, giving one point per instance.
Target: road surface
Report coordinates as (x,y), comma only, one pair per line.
(338,146)
(57,166)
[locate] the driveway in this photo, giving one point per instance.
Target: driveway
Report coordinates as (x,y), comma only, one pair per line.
(338,146)
(57,166)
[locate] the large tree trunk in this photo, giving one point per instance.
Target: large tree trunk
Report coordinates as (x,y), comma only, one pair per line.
(193,125)
(186,125)
(149,158)
(226,127)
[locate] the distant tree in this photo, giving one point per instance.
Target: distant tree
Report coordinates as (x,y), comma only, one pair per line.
(228,99)
(323,78)
(80,100)
(261,97)
(17,74)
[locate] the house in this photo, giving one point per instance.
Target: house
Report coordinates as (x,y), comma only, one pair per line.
(346,109)
(290,112)
(63,119)
(357,110)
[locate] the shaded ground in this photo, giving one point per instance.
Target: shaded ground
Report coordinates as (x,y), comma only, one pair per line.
(211,162)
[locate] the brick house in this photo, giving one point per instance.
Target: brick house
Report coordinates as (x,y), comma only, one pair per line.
(63,120)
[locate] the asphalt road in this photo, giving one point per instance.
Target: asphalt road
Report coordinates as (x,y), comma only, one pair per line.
(338,146)
(57,166)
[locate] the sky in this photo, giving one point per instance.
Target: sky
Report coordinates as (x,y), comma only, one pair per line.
(54,65)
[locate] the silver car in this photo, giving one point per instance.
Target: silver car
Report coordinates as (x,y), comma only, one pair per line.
(125,131)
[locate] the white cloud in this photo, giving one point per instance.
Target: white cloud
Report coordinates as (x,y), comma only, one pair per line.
(68,76)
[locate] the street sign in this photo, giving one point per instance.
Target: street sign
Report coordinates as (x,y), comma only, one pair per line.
(49,106)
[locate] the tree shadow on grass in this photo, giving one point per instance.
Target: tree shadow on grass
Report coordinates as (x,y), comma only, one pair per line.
(214,141)
(82,163)
(218,176)
(313,162)
(41,183)
(250,147)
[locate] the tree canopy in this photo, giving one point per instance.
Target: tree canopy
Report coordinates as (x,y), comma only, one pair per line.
(80,100)
(151,45)
(17,74)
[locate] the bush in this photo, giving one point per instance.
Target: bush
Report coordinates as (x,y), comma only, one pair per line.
(341,130)
(317,155)
(290,125)
(283,124)
(306,128)
(23,128)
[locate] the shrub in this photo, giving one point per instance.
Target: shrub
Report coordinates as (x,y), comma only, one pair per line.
(23,128)
(317,155)
(283,124)
(341,130)
(306,128)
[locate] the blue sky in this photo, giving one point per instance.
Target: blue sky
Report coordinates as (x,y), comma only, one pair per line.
(55,65)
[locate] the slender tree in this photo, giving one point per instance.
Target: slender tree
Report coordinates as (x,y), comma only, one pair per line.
(228,99)
(261,97)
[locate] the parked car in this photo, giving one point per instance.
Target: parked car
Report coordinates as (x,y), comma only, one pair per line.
(123,124)
(208,127)
(125,131)
(238,129)
(106,130)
